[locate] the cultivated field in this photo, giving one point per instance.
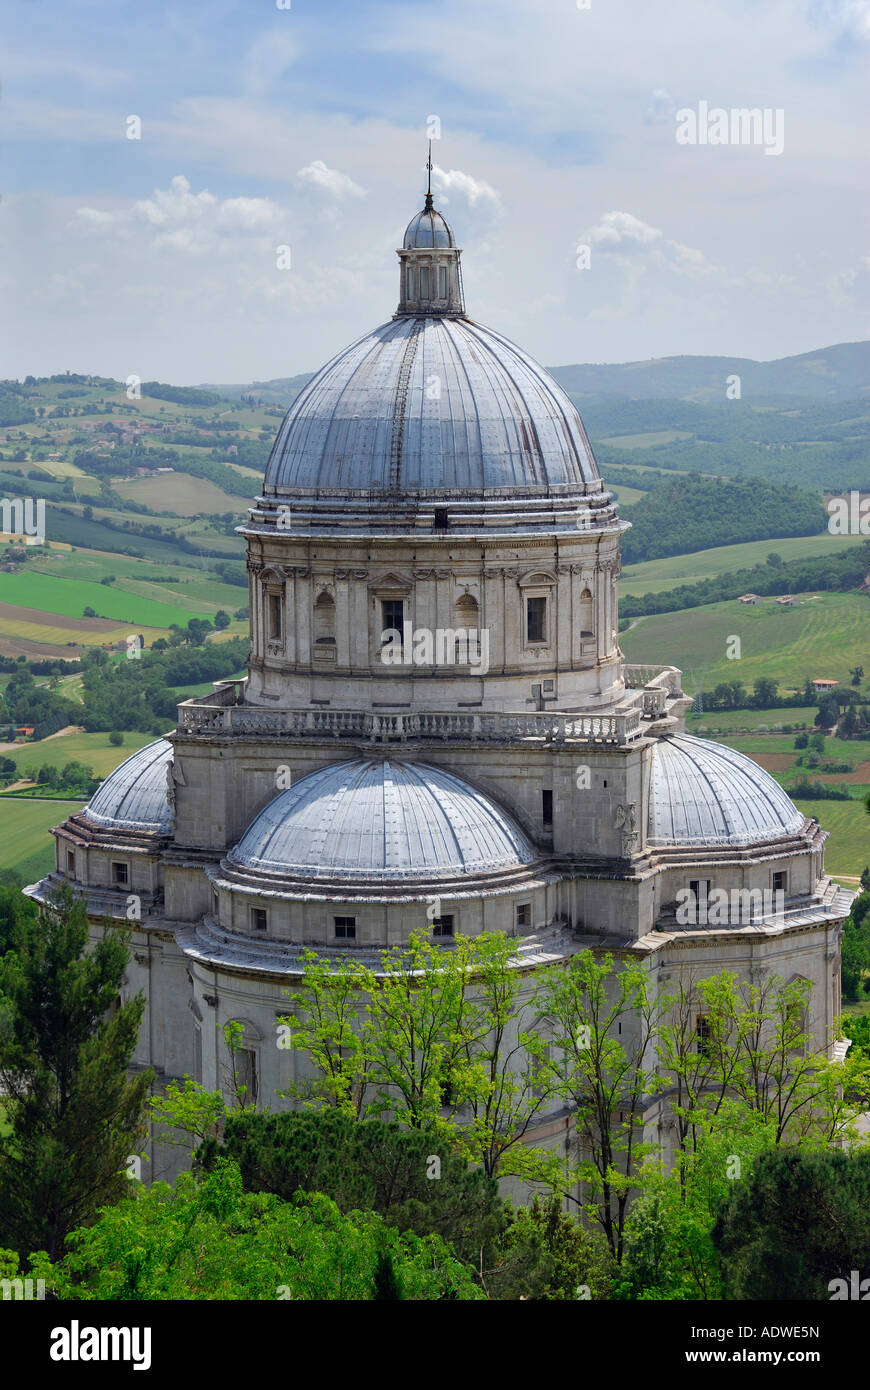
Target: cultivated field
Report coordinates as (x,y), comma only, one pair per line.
(182,494)
(69,598)
(25,844)
(821,637)
(92,749)
(655,576)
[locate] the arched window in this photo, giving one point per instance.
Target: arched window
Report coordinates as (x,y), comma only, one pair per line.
(465,613)
(324,618)
(586,615)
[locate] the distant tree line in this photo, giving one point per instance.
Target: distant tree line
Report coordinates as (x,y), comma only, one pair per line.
(840,571)
(694,513)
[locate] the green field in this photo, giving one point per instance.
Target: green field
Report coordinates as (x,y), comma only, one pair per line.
(92,749)
(645,441)
(750,719)
(823,636)
(656,576)
(196,583)
(848,849)
(626,494)
(25,843)
(69,598)
(182,494)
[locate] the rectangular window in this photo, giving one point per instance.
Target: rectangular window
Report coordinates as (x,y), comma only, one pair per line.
(71,862)
(259,920)
(442,282)
(699,888)
(524,914)
(120,875)
(442,926)
(393,613)
(424,282)
(345,929)
(547,809)
(275,624)
(441,519)
(536,614)
(703,1033)
(780,881)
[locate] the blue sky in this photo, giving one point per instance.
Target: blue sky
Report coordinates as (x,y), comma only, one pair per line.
(264,127)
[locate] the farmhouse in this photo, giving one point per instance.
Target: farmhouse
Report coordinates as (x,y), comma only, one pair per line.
(748,598)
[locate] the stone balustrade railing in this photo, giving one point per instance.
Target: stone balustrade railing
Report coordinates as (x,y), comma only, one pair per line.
(662,677)
(207,716)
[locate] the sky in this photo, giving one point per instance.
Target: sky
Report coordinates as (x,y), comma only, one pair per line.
(262,128)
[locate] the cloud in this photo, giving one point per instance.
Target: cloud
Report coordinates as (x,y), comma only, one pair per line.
(331,181)
(621,230)
(476,192)
(628,240)
(849,19)
(662,107)
(187,221)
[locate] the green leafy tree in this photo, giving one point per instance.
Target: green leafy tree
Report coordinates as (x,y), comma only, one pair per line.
(74,1117)
(208,1239)
(603,1074)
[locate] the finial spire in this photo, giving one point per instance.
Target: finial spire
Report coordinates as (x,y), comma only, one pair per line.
(428,206)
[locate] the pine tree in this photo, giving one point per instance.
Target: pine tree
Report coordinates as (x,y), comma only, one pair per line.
(65,1045)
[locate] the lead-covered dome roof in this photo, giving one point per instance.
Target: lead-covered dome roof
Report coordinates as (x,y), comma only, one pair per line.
(703,793)
(426,231)
(378,821)
(431,404)
(134,796)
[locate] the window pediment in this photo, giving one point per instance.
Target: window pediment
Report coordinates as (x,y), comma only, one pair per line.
(538,579)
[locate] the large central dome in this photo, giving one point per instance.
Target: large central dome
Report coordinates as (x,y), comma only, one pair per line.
(430,411)
(426,404)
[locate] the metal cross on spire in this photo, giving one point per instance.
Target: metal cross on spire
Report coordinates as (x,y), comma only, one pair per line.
(428,207)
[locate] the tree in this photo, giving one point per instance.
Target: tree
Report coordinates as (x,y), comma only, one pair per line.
(116,738)
(765,693)
(568,1258)
(857,674)
(89,612)
(801,1222)
(669,1248)
(407,1176)
(221,619)
(774,560)
(74,1116)
(801,741)
(602,1073)
(207,1239)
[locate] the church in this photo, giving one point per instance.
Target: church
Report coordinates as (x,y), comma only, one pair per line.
(437,730)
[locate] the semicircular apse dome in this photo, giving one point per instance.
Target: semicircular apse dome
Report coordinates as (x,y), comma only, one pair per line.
(703,793)
(382,820)
(134,796)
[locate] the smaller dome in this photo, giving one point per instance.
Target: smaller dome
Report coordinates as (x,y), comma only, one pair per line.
(428,231)
(134,796)
(705,793)
(382,821)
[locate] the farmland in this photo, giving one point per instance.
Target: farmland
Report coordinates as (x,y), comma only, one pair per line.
(656,576)
(69,597)
(822,636)
(25,844)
